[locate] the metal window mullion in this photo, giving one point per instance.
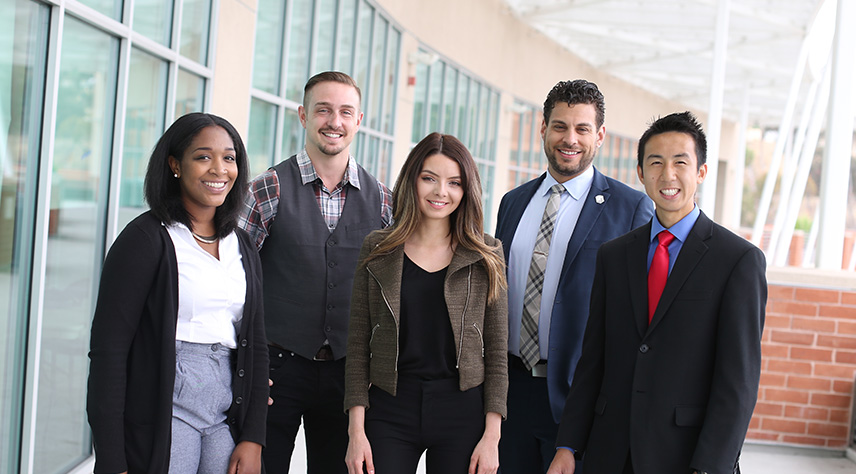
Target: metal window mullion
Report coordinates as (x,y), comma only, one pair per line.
(286,44)
(382,86)
(313,35)
(337,29)
(115,167)
(210,63)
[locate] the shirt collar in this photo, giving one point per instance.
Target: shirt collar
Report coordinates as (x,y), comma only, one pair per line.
(308,174)
(577,186)
(681,229)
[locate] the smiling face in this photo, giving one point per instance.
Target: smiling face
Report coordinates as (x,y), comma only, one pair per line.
(207,171)
(571,139)
(331,116)
(671,175)
(439,187)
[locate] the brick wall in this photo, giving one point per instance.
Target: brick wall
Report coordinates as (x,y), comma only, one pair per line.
(808,367)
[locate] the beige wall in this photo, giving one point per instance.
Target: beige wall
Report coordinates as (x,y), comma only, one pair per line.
(233,61)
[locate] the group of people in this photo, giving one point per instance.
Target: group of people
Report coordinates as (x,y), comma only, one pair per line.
(597,332)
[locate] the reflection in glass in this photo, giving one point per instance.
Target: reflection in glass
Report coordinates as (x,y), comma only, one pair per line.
(463,94)
(144,124)
(267,58)
(377,60)
(195,24)
(260,141)
(293,136)
(362,55)
(436,87)
(450,81)
(345,35)
(153,19)
(189,93)
(326,33)
(111,8)
(85,104)
(298,49)
(22,64)
(420,91)
(391,82)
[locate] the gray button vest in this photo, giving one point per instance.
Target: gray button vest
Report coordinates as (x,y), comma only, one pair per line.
(308,270)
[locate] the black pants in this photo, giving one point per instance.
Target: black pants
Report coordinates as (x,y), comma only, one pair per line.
(314,391)
(528,441)
(433,415)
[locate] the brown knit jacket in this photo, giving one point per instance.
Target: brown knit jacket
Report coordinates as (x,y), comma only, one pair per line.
(480,329)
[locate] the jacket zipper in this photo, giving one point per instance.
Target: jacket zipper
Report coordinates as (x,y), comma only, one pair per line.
(481,338)
(391,312)
(463,316)
(374,330)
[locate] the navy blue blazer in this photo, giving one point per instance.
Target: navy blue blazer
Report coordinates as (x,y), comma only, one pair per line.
(621,210)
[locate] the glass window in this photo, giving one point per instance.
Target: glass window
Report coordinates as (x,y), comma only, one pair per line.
(189,93)
(293,136)
(262,135)
(391,81)
(195,23)
(345,35)
(434,94)
(111,8)
(267,59)
(450,81)
(376,81)
(299,27)
(84,124)
(153,19)
(463,93)
(420,93)
(22,69)
(363,52)
(326,35)
(144,124)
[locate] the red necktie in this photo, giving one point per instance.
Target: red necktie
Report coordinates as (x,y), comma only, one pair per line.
(658,272)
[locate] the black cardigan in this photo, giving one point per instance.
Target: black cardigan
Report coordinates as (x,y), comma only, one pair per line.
(132,352)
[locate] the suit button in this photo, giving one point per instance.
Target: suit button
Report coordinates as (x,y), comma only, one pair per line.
(331,264)
(330,285)
(232,421)
(643,348)
(239,400)
(243,343)
(240,372)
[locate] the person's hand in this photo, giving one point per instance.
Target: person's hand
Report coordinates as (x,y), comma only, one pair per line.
(359,452)
(563,462)
(485,458)
(270,384)
(246,458)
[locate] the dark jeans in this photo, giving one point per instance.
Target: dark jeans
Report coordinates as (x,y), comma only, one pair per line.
(314,391)
(425,414)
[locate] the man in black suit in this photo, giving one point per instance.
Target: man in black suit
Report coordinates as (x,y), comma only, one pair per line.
(590,209)
(667,383)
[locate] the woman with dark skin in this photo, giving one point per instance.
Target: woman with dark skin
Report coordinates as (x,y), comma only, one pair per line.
(178,379)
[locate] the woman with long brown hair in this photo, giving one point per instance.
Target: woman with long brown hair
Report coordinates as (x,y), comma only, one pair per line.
(427,367)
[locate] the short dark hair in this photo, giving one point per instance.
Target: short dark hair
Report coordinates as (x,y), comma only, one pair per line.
(681,122)
(578,91)
(162,189)
(330,76)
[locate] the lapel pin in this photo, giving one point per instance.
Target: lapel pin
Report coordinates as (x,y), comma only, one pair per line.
(599,199)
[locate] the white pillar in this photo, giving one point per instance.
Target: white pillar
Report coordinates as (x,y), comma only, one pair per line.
(740,166)
(707,201)
(835,175)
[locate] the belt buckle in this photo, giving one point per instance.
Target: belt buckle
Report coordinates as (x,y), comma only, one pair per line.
(539,370)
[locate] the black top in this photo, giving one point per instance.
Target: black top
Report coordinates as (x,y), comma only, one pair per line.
(427,345)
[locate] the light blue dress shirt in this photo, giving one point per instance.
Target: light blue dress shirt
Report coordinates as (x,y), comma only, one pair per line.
(520,258)
(681,230)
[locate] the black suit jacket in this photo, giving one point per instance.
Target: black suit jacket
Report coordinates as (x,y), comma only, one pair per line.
(677,394)
(611,209)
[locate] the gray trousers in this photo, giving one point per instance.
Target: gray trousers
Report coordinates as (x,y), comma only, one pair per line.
(201,441)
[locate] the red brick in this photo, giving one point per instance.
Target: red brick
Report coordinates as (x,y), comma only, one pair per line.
(794,308)
(754,423)
(836,311)
(789,366)
(784,426)
(804,353)
(774,350)
(778,292)
(809,383)
(846,328)
(847,297)
(839,416)
(840,342)
(827,429)
(841,357)
(790,396)
(814,324)
(777,322)
(792,337)
(772,409)
(836,371)
(803,440)
(763,436)
(836,443)
(842,386)
(772,380)
(806,413)
(830,400)
(817,295)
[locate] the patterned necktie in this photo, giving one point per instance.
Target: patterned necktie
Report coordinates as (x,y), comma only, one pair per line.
(530,352)
(658,272)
